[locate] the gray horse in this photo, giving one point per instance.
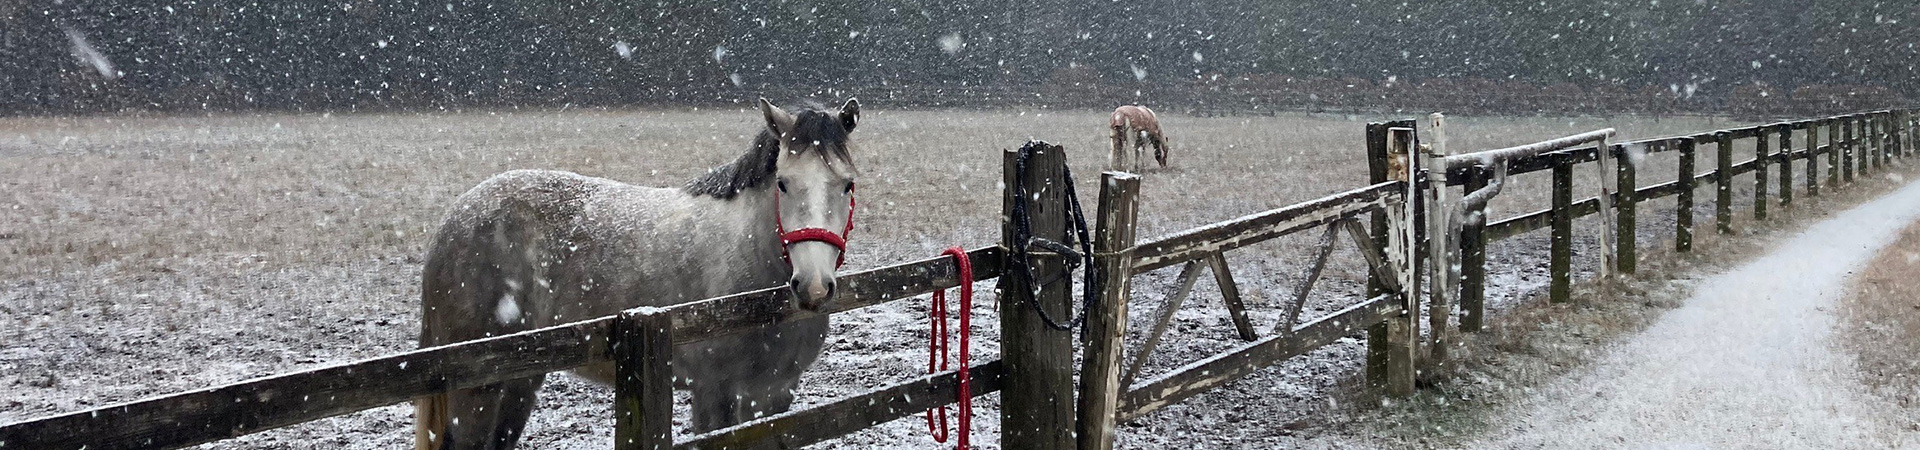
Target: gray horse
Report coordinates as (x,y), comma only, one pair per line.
(528,249)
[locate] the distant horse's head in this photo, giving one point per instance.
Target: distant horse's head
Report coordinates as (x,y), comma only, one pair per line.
(813,192)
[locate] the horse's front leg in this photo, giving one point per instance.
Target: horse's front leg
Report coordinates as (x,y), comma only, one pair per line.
(714,406)
(1159,148)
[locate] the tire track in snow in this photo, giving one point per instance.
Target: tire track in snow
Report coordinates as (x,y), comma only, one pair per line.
(1749,361)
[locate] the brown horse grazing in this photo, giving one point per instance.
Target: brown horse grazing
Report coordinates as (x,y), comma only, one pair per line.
(1135,127)
(529,249)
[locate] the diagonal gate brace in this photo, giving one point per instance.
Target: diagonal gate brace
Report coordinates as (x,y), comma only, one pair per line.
(1307,278)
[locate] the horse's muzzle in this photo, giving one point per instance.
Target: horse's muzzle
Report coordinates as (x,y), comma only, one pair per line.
(812,295)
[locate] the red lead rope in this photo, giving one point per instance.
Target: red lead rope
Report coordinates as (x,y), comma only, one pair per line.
(937,350)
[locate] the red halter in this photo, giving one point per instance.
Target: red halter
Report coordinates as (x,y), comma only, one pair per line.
(838,241)
(937,351)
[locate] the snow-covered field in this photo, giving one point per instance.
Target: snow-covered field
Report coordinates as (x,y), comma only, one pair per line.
(151,255)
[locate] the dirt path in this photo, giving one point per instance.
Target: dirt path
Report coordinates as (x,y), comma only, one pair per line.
(1751,360)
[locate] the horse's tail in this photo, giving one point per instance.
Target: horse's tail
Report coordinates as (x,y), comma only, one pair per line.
(429,421)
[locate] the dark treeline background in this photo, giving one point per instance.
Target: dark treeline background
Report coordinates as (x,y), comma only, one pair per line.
(87,56)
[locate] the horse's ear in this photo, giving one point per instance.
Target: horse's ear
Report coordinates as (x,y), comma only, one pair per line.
(850,114)
(778,120)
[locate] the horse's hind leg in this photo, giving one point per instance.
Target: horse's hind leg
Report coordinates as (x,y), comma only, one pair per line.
(489,417)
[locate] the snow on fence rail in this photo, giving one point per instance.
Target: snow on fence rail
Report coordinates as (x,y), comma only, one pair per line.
(1036,378)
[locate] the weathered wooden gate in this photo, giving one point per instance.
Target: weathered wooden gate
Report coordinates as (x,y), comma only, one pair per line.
(1109,392)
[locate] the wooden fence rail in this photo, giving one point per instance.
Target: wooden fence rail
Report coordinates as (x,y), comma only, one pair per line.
(251,406)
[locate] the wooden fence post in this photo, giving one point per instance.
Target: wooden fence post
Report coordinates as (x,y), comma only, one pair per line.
(1833,152)
(1890,135)
(1876,133)
(642,353)
(1906,132)
(1107,324)
(1560,262)
(1037,403)
(1869,142)
(1813,158)
(1406,221)
(1896,143)
(1609,188)
(1883,155)
(1786,165)
(1863,153)
(1882,139)
(1865,149)
(1865,133)
(1897,120)
(1441,218)
(1390,344)
(1847,146)
(1723,183)
(1683,203)
(1473,261)
(1627,259)
(1877,139)
(1760,159)
(1377,166)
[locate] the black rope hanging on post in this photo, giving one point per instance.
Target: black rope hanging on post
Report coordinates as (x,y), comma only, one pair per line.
(1024,241)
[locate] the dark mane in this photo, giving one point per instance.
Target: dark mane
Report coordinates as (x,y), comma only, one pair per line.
(755,169)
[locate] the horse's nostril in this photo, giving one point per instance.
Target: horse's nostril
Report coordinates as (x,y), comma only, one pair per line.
(829,289)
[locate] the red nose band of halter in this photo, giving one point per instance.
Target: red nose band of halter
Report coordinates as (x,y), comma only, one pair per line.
(838,241)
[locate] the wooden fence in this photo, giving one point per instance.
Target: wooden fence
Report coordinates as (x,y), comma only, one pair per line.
(639,342)
(1838,147)
(1109,392)
(1419,223)
(1036,375)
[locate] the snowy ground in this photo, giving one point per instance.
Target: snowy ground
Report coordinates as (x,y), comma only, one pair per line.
(154,255)
(1750,361)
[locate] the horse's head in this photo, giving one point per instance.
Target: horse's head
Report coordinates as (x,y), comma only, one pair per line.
(813,194)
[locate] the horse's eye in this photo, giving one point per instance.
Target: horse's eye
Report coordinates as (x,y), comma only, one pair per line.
(849,187)
(783,185)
